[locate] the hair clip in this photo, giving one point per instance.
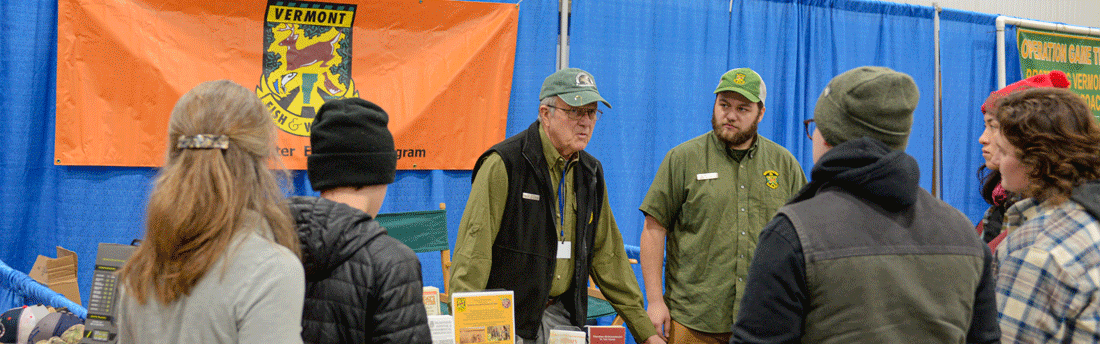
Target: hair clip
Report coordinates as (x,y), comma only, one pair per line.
(203,141)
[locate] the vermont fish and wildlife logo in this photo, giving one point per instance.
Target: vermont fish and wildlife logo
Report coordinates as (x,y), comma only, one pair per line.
(460,305)
(773,178)
(307,60)
(739,79)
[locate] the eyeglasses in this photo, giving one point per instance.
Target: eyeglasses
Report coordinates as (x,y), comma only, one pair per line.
(577,113)
(810,127)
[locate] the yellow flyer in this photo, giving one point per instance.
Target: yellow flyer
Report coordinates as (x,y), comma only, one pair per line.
(484,317)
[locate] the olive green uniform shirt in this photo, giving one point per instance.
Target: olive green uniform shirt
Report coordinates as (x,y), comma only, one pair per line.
(481,222)
(713,207)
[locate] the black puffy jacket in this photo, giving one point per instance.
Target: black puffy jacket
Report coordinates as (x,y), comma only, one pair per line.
(362,286)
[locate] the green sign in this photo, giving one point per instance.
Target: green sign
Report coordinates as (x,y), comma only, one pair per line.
(1076,55)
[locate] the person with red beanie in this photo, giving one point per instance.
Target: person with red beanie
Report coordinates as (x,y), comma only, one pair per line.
(999,199)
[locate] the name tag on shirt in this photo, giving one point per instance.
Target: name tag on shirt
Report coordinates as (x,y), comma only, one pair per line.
(565,249)
(530,196)
(706,176)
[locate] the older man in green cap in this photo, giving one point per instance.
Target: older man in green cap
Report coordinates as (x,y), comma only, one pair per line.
(709,200)
(538,221)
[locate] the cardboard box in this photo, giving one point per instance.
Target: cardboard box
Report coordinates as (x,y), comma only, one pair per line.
(58,273)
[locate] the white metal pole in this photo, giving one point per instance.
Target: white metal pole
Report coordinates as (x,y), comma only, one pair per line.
(937,113)
(1001,52)
(563,36)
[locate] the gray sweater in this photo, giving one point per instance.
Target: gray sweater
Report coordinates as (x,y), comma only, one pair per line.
(258,299)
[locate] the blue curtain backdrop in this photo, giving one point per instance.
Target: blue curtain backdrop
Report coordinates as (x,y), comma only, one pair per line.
(656,61)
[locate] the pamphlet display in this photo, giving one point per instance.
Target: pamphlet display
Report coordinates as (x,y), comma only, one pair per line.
(431,301)
(562,336)
(443,329)
(484,317)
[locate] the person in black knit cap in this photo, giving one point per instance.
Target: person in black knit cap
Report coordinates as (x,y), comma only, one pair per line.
(362,286)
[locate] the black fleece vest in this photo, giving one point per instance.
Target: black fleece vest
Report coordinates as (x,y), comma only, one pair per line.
(525,250)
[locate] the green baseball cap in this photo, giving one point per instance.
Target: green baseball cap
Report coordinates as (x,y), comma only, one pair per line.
(574,86)
(744,81)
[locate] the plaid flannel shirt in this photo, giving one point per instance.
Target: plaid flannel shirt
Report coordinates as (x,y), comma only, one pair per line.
(1048,274)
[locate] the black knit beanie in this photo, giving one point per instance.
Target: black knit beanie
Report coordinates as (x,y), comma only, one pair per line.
(350,145)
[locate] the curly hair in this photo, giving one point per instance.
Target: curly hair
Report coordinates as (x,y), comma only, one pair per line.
(1055,136)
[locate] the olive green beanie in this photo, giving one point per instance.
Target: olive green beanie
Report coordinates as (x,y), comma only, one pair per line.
(877,102)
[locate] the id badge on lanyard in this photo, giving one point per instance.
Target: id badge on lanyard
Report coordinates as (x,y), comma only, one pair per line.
(565,248)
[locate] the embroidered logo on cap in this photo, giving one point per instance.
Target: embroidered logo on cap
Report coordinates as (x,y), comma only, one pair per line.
(739,79)
(585,80)
(773,178)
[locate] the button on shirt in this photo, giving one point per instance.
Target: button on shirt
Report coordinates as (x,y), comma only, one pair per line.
(713,222)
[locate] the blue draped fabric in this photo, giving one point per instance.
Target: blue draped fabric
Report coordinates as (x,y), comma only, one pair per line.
(656,61)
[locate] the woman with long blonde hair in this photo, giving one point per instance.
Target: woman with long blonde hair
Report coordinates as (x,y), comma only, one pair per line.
(219,263)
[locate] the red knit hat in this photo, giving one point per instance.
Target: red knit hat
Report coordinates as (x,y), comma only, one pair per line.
(1056,78)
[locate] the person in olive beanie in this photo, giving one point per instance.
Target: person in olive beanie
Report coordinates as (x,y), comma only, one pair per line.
(863,254)
(870,101)
(346,254)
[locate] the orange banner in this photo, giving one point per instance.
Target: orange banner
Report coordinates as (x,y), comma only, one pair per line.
(441,69)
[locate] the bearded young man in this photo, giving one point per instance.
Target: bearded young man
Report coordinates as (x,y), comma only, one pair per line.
(711,197)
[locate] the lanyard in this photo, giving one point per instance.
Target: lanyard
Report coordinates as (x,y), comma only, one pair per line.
(561,202)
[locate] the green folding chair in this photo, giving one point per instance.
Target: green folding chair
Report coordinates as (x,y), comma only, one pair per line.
(423,231)
(598,306)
